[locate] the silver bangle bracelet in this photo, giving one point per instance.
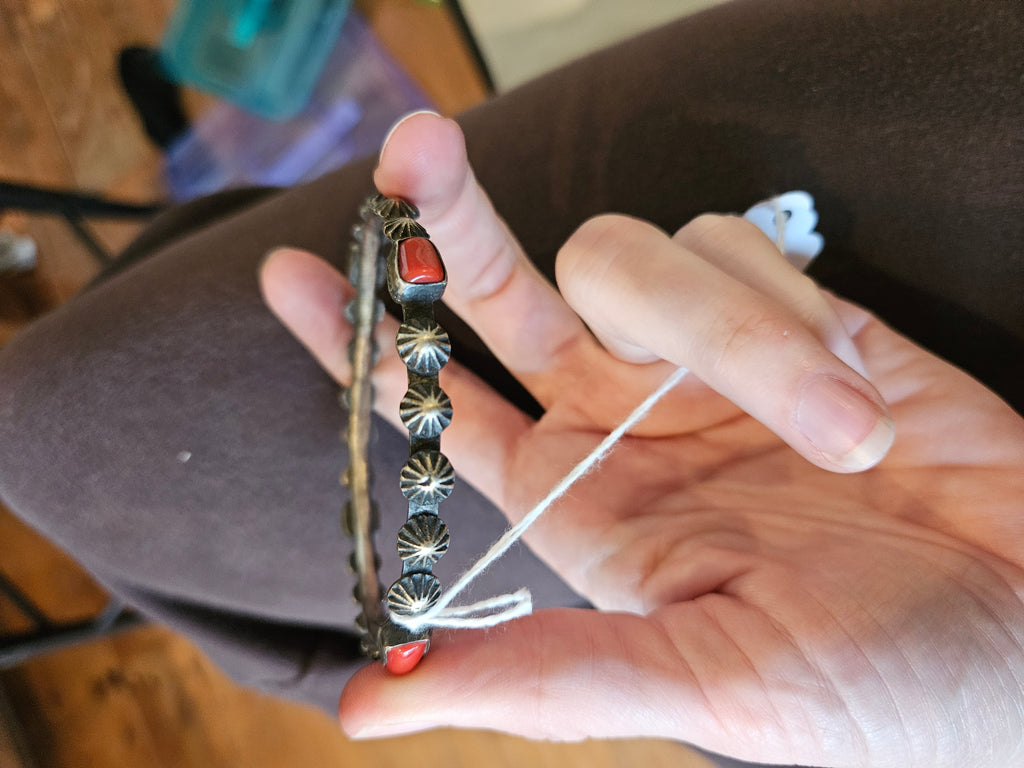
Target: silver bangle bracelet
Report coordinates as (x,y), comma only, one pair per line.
(389,243)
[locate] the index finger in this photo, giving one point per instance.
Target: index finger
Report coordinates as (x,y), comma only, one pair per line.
(492,284)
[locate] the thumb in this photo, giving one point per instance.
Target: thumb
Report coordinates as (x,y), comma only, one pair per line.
(715,673)
(561,674)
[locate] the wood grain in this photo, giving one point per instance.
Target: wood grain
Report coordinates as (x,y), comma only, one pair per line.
(68,125)
(424,39)
(13,750)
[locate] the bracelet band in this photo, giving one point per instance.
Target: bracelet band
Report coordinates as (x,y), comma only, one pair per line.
(389,244)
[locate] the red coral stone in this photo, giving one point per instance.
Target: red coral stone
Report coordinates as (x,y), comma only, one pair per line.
(404,658)
(418,261)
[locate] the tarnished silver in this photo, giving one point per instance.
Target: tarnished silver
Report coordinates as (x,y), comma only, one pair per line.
(359,519)
(427,478)
(414,593)
(424,349)
(423,539)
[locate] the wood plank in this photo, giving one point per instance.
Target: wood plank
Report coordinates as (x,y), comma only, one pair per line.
(71,47)
(13,752)
(22,294)
(54,581)
(67,125)
(425,40)
(30,143)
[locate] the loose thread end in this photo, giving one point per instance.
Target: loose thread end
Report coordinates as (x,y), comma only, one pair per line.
(486,613)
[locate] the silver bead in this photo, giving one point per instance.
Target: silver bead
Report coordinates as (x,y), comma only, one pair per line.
(424,349)
(393,207)
(425,410)
(403,229)
(427,477)
(413,594)
(423,540)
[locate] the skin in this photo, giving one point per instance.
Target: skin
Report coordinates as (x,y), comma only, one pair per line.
(766,584)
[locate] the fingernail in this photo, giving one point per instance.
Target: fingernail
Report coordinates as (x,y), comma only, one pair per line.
(269,255)
(401,120)
(851,431)
(387,730)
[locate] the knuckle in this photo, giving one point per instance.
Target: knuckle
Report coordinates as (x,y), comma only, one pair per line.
(599,253)
(808,303)
(705,222)
(738,336)
(811,307)
(607,235)
(492,273)
(713,231)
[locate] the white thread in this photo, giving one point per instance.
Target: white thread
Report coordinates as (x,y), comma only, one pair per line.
(495,610)
(789,220)
(781,220)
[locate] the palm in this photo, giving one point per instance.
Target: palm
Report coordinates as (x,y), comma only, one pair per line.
(810,592)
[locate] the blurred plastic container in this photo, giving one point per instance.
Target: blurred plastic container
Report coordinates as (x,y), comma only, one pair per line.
(264,55)
(361,93)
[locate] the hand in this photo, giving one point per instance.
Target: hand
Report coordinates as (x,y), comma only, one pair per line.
(757,594)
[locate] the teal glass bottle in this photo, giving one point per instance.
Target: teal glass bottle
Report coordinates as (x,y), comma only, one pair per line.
(263,55)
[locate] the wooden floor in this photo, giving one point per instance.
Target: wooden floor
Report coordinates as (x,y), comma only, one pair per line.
(147,697)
